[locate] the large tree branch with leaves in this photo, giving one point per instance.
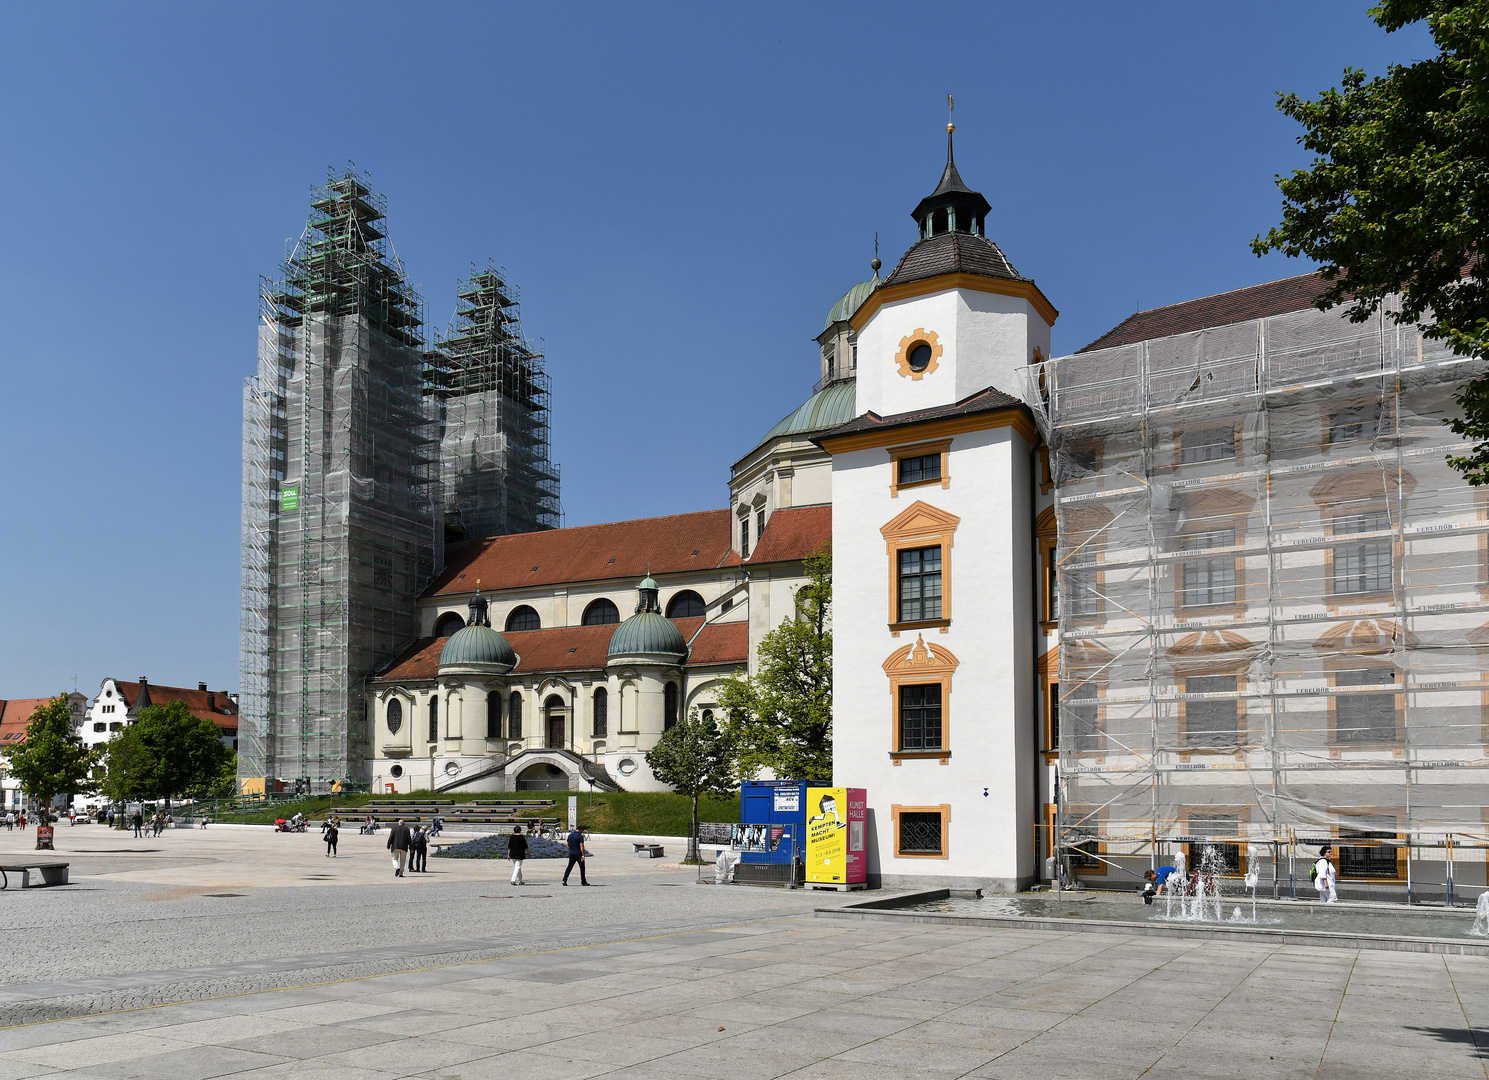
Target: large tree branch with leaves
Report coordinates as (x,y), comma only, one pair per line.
(1396,201)
(781,717)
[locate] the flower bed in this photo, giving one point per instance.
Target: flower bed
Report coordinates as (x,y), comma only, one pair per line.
(495,847)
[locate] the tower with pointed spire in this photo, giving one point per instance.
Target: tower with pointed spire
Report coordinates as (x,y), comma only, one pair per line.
(954,316)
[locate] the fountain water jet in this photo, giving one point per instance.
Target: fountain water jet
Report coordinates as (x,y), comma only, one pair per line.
(1481,916)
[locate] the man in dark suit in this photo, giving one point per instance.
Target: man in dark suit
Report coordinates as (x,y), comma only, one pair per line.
(399,841)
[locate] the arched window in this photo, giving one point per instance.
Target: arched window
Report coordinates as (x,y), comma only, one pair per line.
(394,716)
(493,715)
(514,717)
(601,612)
(708,716)
(685,605)
(669,707)
(448,623)
(523,618)
(434,719)
(602,713)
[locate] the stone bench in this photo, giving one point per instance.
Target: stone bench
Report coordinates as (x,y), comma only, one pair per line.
(53,872)
(648,851)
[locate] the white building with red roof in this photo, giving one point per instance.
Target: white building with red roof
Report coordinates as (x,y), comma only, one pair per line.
(118,704)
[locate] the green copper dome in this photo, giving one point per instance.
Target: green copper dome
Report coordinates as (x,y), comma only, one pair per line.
(477,644)
(827,408)
(850,302)
(648,635)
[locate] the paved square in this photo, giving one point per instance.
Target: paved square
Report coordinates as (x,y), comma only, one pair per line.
(139,970)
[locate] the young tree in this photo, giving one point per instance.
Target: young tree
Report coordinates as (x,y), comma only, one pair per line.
(1397,198)
(165,753)
(781,718)
(53,760)
(695,757)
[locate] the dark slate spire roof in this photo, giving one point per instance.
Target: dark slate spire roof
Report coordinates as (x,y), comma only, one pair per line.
(951,192)
(952,221)
(953,253)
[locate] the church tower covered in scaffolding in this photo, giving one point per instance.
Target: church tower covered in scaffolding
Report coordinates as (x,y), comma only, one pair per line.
(358,440)
(342,516)
(494,467)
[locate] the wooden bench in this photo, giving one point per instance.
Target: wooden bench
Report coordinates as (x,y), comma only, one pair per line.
(53,872)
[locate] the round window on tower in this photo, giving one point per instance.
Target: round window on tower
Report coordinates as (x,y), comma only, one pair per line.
(919,355)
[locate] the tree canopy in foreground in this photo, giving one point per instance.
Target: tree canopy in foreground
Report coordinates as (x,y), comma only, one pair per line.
(1397,198)
(781,717)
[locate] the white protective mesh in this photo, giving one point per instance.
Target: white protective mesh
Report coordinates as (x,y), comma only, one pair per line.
(1272,592)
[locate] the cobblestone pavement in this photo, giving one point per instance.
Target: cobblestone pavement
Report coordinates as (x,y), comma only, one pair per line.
(813,999)
(195,914)
(335,971)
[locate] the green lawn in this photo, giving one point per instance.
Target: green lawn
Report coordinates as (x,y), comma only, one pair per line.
(642,814)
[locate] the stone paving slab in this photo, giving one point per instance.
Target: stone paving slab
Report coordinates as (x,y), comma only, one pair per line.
(933,1003)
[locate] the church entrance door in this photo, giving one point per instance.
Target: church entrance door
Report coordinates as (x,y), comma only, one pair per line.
(555,723)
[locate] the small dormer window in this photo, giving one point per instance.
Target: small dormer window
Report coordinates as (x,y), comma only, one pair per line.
(920,357)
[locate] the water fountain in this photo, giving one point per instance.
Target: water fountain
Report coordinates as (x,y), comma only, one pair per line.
(1200,900)
(1481,916)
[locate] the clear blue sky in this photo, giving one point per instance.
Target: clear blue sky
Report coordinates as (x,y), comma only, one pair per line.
(681,191)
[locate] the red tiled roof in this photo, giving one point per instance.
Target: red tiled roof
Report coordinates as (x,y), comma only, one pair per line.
(575,648)
(720,643)
(1239,305)
(619,549)
(793,534)
(213,705)
(15,714)
(419,661)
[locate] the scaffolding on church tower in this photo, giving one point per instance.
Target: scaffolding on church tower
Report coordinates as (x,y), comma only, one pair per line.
(342,523)
(1272,598)
(489,379)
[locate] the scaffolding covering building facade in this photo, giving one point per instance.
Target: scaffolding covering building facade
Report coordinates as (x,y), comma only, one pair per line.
(493,393)
(1273,604)
(342,515)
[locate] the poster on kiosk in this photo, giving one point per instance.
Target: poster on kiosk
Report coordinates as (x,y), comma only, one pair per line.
(836,821)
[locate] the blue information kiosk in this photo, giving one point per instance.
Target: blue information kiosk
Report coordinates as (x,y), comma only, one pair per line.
(771,836)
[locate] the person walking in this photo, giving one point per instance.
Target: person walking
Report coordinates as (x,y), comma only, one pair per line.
(517,851)
(139,825)
(399,840)
(577,854)
(331,834)
(420,849)
(10,821)
(1325,878)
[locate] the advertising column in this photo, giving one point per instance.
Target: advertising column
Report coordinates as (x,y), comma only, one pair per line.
(836,819)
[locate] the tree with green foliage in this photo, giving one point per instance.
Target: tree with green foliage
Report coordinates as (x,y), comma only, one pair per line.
(696,758)
(53,760)
(781,717)
(1397,198)
(166,753)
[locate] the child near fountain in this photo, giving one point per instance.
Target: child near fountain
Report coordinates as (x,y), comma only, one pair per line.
(1154,882)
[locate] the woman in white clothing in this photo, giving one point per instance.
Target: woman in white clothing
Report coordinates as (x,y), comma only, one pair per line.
(1324,877)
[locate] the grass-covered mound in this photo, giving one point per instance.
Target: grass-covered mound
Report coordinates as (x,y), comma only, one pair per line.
(495,847)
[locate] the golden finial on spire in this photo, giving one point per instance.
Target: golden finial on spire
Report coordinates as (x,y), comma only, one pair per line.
(950,110)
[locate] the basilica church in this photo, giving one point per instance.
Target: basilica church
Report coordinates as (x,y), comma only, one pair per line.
(1166,593)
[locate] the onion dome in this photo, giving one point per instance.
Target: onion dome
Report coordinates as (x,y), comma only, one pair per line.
(648,637)
(827,408)
(476,646)
(852,300)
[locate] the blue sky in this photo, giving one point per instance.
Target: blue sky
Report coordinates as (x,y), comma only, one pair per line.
(681,191)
